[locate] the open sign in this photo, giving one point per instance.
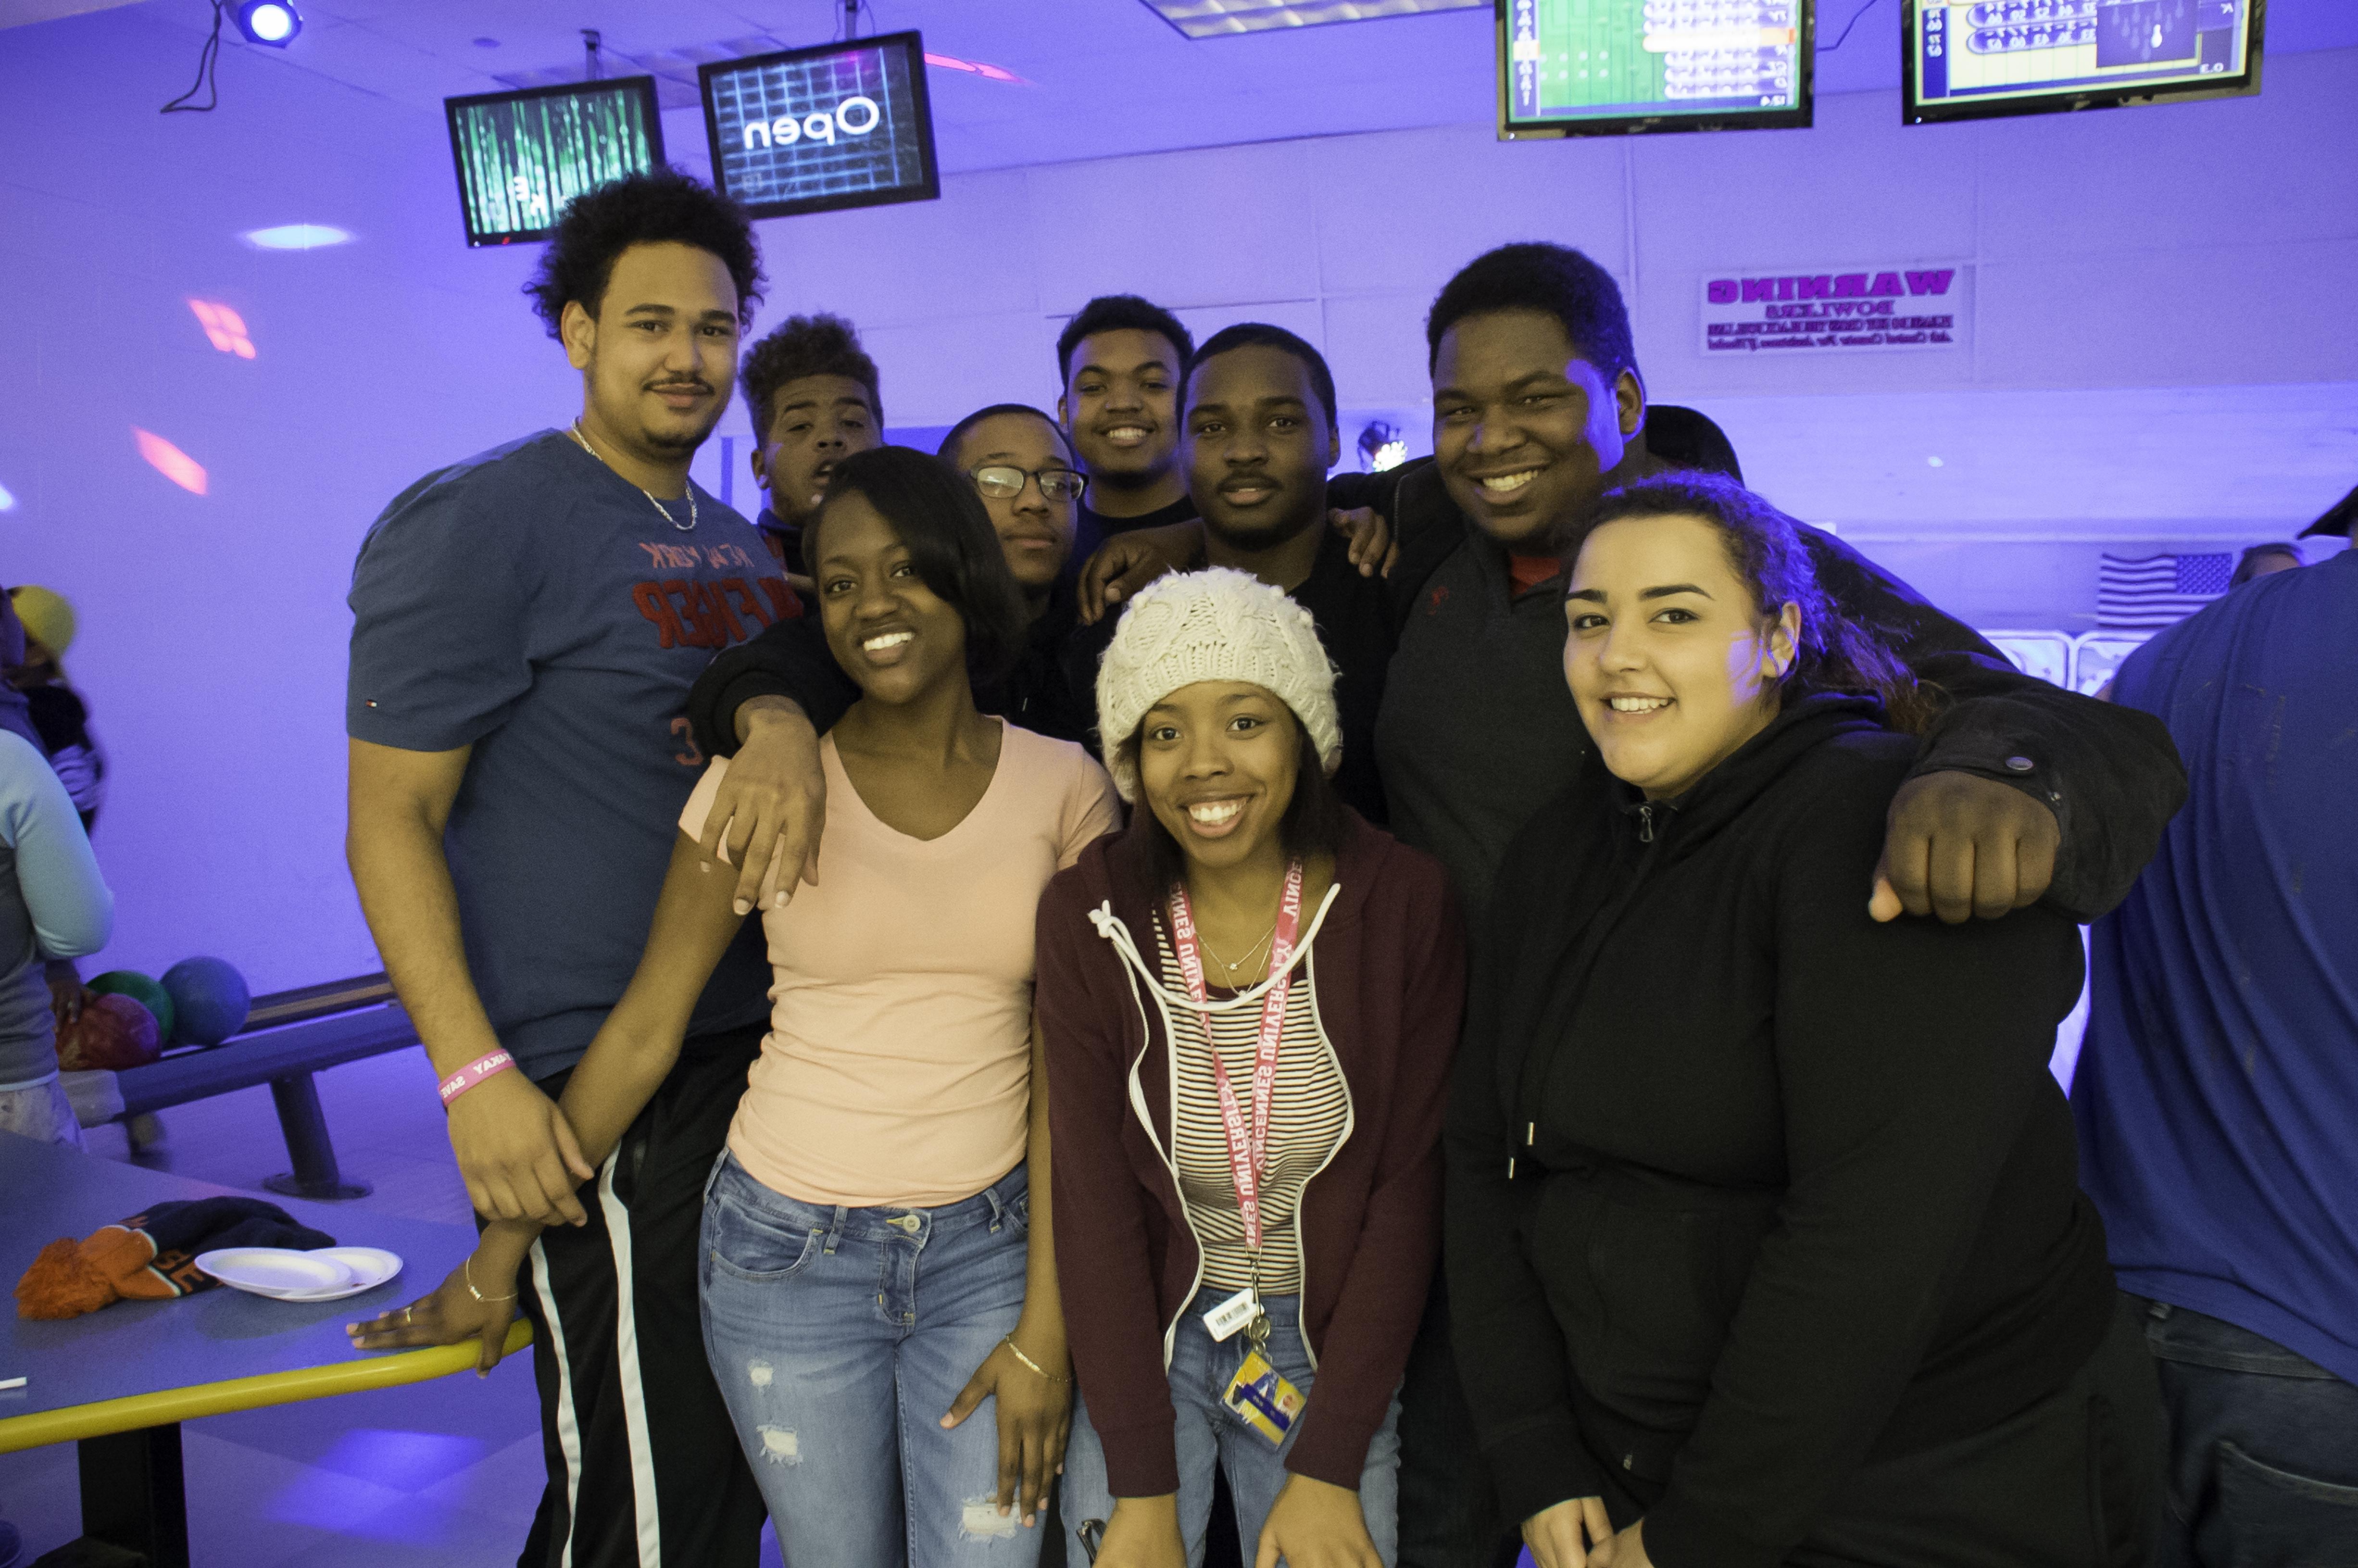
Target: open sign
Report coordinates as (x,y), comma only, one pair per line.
(811,130)
(855,116)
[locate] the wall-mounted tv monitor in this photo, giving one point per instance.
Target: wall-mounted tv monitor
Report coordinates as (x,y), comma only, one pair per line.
(1587,68)
(806,130)
(1963,59)
(522,155)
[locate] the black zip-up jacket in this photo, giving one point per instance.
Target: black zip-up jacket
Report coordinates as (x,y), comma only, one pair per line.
(1471,750)
(1745,1188)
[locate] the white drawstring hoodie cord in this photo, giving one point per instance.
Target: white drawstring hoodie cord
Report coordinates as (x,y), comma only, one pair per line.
(1113,929)
(1111,926)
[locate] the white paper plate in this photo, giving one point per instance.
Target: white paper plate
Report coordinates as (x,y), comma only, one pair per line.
(371,1267)
(279,1271)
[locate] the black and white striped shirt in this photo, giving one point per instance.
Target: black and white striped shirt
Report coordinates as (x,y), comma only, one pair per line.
(1309,1110)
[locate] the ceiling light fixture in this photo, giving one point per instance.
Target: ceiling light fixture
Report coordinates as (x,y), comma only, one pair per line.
(7,502)
(273,22)
(1224,18)
(295,237)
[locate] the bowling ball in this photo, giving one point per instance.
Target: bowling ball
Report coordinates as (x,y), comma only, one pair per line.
(113,1033)
(210,1000)
(144,989)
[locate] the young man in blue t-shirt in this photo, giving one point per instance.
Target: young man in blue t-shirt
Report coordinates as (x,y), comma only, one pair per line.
(527,625)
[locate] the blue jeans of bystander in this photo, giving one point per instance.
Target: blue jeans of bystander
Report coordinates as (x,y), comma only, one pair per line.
(2262,1449)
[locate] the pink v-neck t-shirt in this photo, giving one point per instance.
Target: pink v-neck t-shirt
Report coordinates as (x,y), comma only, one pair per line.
(897,1070)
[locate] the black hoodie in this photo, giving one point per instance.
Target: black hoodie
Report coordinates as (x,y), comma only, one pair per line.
(1745,1188)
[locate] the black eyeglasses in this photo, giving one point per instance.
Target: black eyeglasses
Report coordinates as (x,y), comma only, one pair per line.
(1004,482)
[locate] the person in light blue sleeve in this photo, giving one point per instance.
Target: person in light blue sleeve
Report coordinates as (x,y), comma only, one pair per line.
(53,904)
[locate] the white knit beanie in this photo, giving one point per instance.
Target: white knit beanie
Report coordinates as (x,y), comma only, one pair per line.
(1215,625)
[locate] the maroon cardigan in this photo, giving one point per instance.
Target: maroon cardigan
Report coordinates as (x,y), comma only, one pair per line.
(1389,968)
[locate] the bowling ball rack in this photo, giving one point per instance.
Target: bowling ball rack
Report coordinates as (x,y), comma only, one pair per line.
(288,1037)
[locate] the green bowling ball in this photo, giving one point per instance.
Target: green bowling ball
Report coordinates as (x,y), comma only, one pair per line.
(144,989)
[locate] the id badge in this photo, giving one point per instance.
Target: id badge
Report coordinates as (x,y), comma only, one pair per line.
(1263,1397)
(1223,1321)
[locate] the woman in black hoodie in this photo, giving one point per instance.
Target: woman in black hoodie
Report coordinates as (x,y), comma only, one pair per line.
(1764,1238)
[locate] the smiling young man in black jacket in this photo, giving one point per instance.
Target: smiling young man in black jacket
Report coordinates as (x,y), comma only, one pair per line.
(1538,410)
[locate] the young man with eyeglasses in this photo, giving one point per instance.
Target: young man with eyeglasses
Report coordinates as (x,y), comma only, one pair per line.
(1032,484)
(812,394)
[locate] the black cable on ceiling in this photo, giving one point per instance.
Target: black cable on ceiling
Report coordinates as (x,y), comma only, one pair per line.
(1855,16)
(207,62)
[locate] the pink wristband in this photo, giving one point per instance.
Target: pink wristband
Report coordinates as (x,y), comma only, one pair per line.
(473,1073)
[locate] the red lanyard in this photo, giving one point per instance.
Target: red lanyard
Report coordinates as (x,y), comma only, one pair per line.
(1248,1145)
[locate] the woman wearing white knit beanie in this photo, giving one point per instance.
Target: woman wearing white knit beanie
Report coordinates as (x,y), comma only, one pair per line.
(1249,1000)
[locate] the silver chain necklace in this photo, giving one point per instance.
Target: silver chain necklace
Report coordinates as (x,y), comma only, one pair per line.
(683,527)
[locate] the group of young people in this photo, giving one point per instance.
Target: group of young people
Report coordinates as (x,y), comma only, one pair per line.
(1106,1053)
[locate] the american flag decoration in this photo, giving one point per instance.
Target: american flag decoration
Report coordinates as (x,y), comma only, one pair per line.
(2151,593)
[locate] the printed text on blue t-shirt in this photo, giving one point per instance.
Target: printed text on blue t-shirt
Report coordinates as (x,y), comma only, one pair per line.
(689,613)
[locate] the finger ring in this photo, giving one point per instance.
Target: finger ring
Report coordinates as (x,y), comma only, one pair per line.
(406,1312)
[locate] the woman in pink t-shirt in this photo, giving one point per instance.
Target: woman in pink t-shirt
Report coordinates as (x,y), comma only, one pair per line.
(875,1253)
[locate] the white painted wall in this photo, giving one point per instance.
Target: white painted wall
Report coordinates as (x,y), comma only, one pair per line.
(2166,350)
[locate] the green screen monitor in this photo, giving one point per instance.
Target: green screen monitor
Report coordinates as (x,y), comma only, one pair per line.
(522,155)
(1587,68)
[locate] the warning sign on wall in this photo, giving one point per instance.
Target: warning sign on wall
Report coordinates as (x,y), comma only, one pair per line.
(1858,309)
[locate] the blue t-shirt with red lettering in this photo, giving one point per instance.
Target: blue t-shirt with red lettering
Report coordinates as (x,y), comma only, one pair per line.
(533,604)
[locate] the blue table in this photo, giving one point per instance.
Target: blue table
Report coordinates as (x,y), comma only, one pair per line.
(119,1381)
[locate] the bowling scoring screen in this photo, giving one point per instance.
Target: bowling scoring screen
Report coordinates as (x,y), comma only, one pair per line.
(837,126)
(1969,58)
(1587,67)
(522,155)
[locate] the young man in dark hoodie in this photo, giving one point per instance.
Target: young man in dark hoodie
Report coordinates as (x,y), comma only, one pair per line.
(812,392)
(1120,363)
(1258,437)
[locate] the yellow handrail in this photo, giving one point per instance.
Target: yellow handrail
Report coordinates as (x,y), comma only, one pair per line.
(169,1405)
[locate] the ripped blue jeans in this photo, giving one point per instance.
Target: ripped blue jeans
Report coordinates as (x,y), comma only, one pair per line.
(839,1338)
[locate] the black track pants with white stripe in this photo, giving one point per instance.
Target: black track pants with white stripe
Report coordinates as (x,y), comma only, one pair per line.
(643,1465)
